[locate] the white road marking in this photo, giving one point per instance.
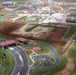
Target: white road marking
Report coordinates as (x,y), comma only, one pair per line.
(18,73)
(11,48)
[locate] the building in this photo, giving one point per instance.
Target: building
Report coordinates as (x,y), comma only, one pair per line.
(34,17)
(22,40)
(10,3)
(71,18)
(37,49)
(7,43)
(37,4)
(72,10)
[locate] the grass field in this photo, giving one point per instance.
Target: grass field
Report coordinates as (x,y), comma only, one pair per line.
(6,38)
(22,19)
(44,49)
(4,17)
(72,54)
(2,23)
(9,63)
(28,53)
(74,37)
(70,32)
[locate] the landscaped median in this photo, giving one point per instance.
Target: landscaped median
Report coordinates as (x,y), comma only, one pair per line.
(8,62)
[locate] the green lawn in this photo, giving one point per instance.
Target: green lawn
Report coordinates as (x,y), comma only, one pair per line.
(32,22)
(2,23)
(66,8)
(70,32)
(28,53)
(22,19)
(6,12)
(74,38)
(72,54)
(44,50)
(5,37)
(6,15)
(9,60)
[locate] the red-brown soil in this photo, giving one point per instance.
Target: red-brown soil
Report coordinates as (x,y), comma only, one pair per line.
(58,34)
(10,27)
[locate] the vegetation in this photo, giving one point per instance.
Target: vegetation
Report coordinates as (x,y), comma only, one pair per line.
(70,32)
(72,54)
(74,38)
(28,53)
(52,71)
(31,28)
(6,62)
(2,23)
(22,19)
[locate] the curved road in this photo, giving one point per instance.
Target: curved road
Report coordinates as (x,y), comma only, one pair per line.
(21,67)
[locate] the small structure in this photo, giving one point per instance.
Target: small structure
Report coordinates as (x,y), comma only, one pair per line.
(71,18)
(22,40)
(9,3)
(7,43)
(37,49)
(34,17)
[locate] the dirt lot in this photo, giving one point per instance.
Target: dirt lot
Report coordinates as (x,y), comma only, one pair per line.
(58,34)
(9,27)
(35,31)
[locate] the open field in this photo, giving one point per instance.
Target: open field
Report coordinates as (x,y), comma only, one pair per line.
(72,54)
(22,19)
(3,18)
(44,49)
(2,23)
(28,53)
(70,32)
(74,37)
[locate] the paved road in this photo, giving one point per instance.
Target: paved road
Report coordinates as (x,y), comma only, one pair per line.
(21,66)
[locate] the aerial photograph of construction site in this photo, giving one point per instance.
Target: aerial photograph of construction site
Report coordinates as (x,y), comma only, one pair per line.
(37,37)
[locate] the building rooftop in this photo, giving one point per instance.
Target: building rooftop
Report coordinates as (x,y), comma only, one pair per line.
(21,39)
(6,43)
(37,48)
